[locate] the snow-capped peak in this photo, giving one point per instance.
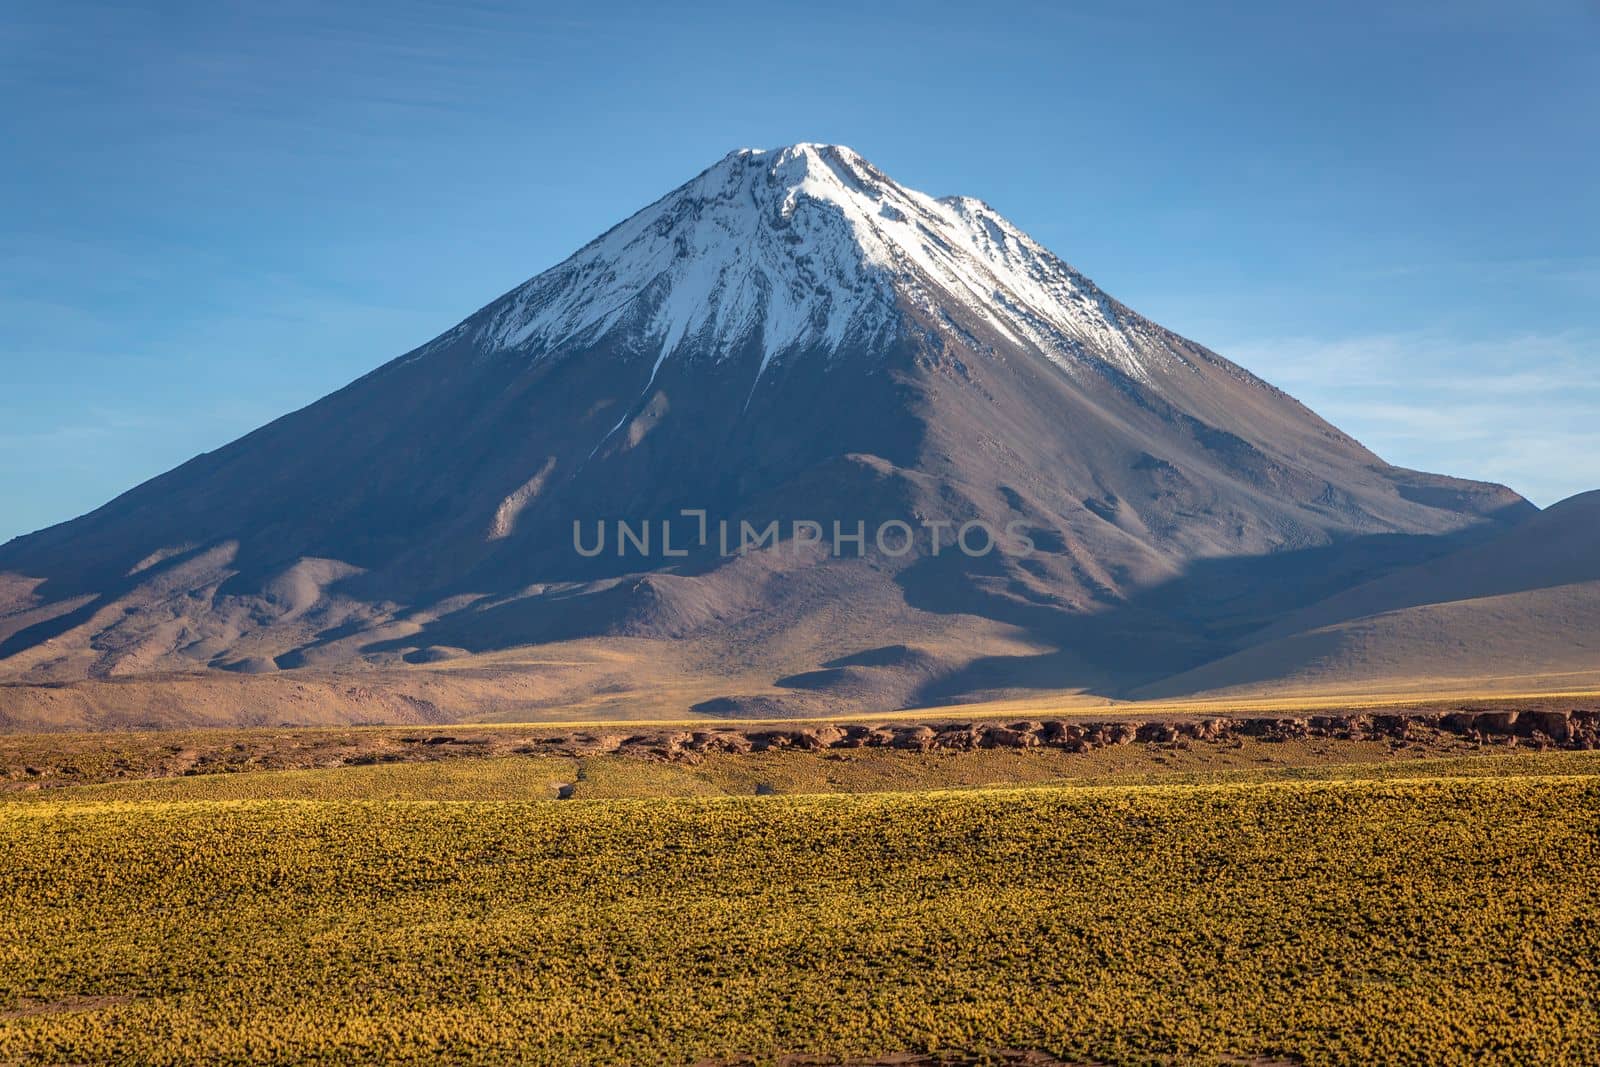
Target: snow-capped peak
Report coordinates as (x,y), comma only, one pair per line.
(801,248)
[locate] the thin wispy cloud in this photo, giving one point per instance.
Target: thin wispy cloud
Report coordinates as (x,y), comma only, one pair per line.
(1518,409)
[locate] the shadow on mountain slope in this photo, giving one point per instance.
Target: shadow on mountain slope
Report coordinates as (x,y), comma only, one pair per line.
(1207,612)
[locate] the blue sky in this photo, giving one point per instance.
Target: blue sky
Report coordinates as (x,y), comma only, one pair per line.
(217,212)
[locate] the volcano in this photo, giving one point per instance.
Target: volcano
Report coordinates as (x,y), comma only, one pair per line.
(721,459)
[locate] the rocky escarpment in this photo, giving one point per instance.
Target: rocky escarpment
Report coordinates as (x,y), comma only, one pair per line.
(42,761)
(1564,728)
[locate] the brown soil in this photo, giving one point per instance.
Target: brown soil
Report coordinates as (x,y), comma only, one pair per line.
(30,1008)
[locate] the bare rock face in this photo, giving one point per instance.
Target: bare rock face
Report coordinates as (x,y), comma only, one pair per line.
(919,738)
(790,337)
(1557,725)
(1008,737)
(817,737)
(1497,722)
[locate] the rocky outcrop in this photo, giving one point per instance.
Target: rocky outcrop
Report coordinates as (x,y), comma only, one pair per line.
(1575,729)
(41,761)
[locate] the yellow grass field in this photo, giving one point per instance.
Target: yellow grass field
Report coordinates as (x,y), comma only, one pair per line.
(1422,912)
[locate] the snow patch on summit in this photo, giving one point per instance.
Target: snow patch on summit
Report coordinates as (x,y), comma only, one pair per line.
(803,248)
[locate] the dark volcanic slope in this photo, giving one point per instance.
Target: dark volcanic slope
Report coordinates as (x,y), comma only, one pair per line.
(791,335)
